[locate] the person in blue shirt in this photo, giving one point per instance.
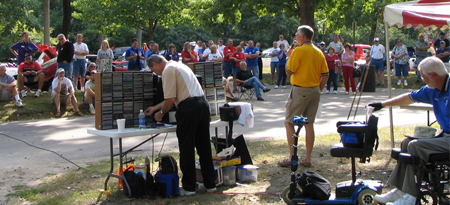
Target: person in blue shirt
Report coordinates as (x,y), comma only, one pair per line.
(436,93)
(149,52)
(134,55)
(251,54)
(20,48)
(200,52)
(281,68)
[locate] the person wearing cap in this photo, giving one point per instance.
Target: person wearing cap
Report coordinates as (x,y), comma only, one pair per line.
(376,53)
(437,93)
(443,54)
(30,72)
(65,56)
(437,43)
(431,51)
(25,46)
(421,53)
(323,47)
(8,89)
(273,53)
(63,93)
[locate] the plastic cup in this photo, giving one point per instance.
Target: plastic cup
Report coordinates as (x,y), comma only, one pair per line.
(121,125)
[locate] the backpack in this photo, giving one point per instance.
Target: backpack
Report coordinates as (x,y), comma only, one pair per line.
(167,165)
(139,186)
(314,185)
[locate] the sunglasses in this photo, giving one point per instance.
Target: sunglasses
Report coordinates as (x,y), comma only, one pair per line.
(60,39)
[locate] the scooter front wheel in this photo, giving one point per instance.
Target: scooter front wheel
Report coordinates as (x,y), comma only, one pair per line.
(285,194)
(367,197)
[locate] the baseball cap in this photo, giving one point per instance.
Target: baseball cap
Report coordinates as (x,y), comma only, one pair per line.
(442,42)
(376,39)
(27,55)
(421,34)
(59,70)
(442,33)
(322,43)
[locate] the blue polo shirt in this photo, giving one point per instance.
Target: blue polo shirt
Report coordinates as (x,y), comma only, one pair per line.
(439,99)
(446,58)
(22,48)
(251,61)
(136,63)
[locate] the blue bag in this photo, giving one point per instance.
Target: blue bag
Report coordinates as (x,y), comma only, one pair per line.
(167,184)
(351,139)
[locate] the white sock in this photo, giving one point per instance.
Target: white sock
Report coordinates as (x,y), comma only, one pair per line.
(39,90)
(17,97)
(91,105)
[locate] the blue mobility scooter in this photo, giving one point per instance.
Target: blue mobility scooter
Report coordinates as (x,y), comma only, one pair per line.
(348,192)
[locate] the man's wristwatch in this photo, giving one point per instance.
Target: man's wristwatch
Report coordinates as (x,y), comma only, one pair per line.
(162,113)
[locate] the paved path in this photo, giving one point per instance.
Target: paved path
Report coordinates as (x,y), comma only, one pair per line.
(67,136)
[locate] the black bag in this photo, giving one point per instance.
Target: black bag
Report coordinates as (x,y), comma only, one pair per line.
(357,72)
(228,113)
(139,186)
(167,165)
(314,185)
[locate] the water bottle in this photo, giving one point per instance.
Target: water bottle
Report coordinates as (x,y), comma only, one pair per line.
(141,120)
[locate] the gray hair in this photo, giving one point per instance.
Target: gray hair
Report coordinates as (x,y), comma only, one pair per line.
(155,58)
(432,65)
(3,66)
(243,63)
(59,35)
(307,31)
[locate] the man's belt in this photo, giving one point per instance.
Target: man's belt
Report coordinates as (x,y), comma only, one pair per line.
(378,59)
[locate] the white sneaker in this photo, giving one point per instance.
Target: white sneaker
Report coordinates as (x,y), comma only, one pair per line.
(391,196)
(284,87)
(406,83)
(82,89)
(186,193)
(326,92)
(354,93)
(19,103)
(202,187)
(335,92)
(92,110)
(346,93)
(276,87)
(37,94)
(399,82)
(23,93)
(405,200)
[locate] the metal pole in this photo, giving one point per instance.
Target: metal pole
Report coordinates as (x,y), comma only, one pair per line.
(388,65)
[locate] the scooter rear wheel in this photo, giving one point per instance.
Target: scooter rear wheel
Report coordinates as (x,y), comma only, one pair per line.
(366,197)
(285,194)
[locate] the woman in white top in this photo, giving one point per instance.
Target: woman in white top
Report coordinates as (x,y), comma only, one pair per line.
(215,55)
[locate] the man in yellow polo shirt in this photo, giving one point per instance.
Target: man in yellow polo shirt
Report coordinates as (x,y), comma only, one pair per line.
(308,70)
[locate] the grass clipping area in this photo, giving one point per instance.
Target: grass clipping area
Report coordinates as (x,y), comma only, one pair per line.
(83,186)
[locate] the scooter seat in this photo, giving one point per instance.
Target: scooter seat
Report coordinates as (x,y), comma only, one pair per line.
(338,150)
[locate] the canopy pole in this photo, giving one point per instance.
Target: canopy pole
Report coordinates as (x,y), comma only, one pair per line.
(388,65)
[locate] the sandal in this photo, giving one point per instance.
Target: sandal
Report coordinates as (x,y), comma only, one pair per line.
(305,164)
(58,113)
(78,113)
(285,163)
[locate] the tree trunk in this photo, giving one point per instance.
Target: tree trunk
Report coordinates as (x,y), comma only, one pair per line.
(67,17)
(307,13)
(152,23)
(47,22)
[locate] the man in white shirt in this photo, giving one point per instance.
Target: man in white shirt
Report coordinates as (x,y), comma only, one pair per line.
(89,94)
(79,61)
(207,51)
(337,45)
(273,53)
(377,52)
(282,41)
(63,93)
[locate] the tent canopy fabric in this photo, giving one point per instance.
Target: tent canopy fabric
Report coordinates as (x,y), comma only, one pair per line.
(424,13)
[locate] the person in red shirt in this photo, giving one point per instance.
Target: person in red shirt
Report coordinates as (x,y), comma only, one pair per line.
(227,63)
(188,55)
(30,72)
(237,57)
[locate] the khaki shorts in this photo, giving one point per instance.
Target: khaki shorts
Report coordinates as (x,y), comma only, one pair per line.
(302,101)
(62,98)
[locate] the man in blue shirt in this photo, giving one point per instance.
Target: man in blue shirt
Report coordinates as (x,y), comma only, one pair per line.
(437,93)
(134,55)
(20,48)
(252,53)
(443,53)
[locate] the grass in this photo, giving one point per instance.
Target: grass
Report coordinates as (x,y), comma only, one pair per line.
(83,186)
(38,108)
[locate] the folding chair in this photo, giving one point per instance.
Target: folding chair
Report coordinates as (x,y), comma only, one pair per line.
(245,91)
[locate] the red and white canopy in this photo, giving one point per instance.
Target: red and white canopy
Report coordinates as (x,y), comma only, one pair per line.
(424,13)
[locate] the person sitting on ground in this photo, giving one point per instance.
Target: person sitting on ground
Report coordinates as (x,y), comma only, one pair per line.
(63,93)
(437,93)
(89,94)
(91,67)
(30,72)
(8,87)
(245,77)
(226,86)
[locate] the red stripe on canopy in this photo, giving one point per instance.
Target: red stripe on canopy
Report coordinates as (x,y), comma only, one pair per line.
(426,19)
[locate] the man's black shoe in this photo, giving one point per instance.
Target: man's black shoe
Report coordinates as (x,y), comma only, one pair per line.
(260,98)
(417,81)
(266,90)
